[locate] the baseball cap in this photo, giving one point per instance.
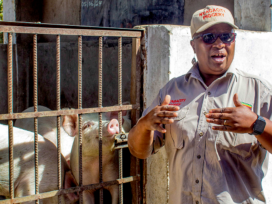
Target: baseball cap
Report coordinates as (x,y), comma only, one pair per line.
(209,16)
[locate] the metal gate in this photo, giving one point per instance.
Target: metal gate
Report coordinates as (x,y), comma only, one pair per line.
(12,28)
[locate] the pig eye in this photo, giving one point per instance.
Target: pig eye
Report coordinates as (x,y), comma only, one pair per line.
(87,125)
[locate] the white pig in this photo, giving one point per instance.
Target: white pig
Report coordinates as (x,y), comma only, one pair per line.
(24,173)
(47,127)
(90,154)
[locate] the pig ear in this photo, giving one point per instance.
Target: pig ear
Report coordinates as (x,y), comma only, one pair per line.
(69,124)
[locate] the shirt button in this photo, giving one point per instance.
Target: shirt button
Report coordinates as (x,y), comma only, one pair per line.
(198,156)
(205,113)
(201,134)
(197,181)
(197,202)
(209,93)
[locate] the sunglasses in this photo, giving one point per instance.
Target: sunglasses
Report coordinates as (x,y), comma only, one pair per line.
(210,38)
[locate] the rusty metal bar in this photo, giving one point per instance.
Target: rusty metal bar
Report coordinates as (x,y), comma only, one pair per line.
(71,190)
(35,102)
(61,26)
(67,112)
(10,110)
(135,97)
(58,58)
(66,31)
(100,59)
(80,116)
(120,151)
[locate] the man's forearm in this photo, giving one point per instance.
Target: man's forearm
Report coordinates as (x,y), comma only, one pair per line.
(266,137)
(140,141)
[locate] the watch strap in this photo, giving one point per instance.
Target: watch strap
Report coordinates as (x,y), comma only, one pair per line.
(258,126)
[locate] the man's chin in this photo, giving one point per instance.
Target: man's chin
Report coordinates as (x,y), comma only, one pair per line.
(218,70)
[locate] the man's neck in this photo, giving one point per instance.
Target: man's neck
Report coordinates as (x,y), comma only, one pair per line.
(209,78)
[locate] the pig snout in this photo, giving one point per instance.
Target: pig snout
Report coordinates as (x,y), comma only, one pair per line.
(113,127)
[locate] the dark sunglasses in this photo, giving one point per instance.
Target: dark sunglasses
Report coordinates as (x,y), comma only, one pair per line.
(210,38)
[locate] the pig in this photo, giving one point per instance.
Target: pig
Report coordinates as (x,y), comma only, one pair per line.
(126,122)
(90,154)
(47,127)
(24,171)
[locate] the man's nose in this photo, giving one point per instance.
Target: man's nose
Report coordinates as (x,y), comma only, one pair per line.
(218,43)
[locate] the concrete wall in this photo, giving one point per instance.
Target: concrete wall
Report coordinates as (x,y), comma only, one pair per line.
(127,13)
(193,5)
(61,12)
(253,15)
(9,10)
(20,74)
(156,74)
(174,50)
(9,15)
(69,61)
(23,79)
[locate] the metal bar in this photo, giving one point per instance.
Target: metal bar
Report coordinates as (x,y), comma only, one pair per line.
(67,112)
(135,97)
(71,190)
(35,102)
(66,31)
(120,147)
(61,26)
(80,116)
(100,59)
(58,108)
(10,110)
(120,151)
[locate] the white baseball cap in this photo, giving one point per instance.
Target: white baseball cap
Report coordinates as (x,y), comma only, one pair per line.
(209,16)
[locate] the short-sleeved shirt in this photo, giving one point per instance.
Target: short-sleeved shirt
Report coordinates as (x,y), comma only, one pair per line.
(208,166)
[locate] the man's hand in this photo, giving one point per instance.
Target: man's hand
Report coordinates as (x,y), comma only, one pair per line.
(239,119)
(162,114)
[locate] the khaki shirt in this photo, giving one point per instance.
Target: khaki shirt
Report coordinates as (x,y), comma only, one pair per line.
(208,166)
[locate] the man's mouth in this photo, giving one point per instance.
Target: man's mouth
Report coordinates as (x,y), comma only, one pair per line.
(219,57)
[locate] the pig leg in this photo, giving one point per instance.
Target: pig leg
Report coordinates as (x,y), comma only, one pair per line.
(88,197)
(114,191)
(69,182)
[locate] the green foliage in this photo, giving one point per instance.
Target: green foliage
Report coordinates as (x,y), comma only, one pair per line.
(1,18)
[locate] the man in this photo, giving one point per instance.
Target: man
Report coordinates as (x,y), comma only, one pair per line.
(216,142)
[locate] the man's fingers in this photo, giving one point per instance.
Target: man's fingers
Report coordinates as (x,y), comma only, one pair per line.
(220,122)
(221,110)
(218,115)
(236,101)
(224,128)
(159,128)
(169,108)
(161,120)
(167,114)
(166,100)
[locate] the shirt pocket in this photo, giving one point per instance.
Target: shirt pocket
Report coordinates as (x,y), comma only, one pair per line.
(239,144)
(177,129)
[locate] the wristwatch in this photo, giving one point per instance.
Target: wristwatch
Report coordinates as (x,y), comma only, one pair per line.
(258,126)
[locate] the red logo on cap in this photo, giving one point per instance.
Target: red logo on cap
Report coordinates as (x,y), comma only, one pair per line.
(216,12)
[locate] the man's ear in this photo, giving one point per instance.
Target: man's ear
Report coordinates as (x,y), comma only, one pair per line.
(192,42)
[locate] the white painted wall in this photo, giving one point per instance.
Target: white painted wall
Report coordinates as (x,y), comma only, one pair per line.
(252,54)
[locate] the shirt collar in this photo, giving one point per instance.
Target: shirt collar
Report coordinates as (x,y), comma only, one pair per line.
(194,72)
